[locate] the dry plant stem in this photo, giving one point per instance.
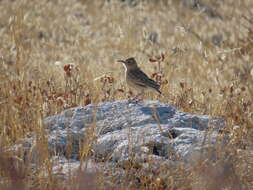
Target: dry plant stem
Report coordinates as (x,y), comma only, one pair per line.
(156,117)
(90,139)
(209,72)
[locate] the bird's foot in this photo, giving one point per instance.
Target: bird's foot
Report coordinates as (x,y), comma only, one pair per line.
(135,100)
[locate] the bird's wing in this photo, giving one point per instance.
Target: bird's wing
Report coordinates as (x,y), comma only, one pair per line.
(142,79)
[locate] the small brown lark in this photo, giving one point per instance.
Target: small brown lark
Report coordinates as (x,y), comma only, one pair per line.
(137,79)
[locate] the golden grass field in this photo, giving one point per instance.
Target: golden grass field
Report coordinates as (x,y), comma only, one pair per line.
(60,54)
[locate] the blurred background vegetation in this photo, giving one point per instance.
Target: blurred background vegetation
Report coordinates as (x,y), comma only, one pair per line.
(62,53)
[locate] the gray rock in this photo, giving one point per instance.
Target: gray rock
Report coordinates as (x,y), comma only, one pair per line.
(153,37)
(217,39)
(132,131)
(197,5)
(202,6)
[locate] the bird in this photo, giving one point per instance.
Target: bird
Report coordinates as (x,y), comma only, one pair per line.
(136,79)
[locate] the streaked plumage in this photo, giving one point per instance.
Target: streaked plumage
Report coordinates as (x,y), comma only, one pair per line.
(137,79)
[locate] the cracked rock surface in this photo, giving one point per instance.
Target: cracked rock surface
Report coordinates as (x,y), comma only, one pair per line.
(124,131)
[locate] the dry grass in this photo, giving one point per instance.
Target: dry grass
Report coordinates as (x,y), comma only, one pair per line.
(52,52)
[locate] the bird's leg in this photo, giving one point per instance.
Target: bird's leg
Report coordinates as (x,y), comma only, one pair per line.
(131,97)
(139,97)
(134,99)
(142,96)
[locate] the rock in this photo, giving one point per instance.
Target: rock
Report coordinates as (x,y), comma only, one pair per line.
(152,136)
(197,5)
(202,6)
(124,131)
(63,166)
(217,39)
(153,37)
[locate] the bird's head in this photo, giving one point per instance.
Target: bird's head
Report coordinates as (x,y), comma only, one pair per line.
(130,63)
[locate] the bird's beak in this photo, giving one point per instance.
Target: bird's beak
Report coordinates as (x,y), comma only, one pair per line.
(121,61)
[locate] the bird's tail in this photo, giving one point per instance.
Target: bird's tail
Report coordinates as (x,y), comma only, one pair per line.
(159,91)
